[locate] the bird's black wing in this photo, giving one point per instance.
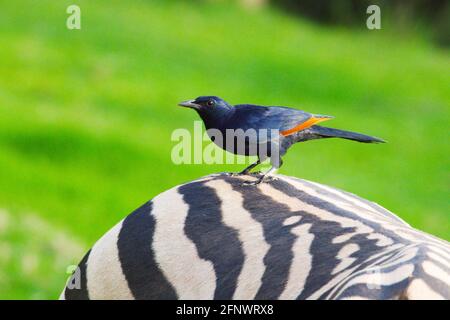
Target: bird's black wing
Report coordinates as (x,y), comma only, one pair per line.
(261,117)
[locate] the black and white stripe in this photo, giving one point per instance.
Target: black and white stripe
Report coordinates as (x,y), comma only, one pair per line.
(285,239)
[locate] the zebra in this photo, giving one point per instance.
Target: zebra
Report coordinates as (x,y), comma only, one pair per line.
(288,238)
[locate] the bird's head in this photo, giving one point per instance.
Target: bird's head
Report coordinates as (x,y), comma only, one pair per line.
(210,108)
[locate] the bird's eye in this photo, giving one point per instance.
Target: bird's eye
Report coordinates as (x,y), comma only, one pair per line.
(210,103)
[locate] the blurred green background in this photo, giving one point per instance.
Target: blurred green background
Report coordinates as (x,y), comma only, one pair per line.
(86,115)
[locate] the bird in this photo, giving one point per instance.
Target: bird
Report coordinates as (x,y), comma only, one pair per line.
(263,131)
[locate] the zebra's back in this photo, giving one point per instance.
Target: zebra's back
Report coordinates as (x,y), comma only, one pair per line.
(214,238)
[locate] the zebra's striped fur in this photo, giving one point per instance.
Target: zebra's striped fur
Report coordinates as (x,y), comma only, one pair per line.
(214,238)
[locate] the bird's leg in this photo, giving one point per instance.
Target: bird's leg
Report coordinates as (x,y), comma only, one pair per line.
(262,178)
(247,170)
(268,175)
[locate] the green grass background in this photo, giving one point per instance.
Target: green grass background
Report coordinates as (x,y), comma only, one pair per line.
(86,115)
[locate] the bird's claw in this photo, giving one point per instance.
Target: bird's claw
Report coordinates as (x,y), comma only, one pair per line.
(252,183)
(258,181)
(229,174)
(238,174)
(221,174)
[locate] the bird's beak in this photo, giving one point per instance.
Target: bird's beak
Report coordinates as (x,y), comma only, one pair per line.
(189,104)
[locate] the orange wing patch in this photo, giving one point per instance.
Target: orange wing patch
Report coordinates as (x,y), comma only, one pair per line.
(308,123)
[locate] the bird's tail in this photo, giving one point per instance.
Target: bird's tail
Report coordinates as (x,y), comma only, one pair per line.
(324,132)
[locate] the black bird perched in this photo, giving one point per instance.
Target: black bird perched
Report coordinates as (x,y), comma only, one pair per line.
(267,132)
